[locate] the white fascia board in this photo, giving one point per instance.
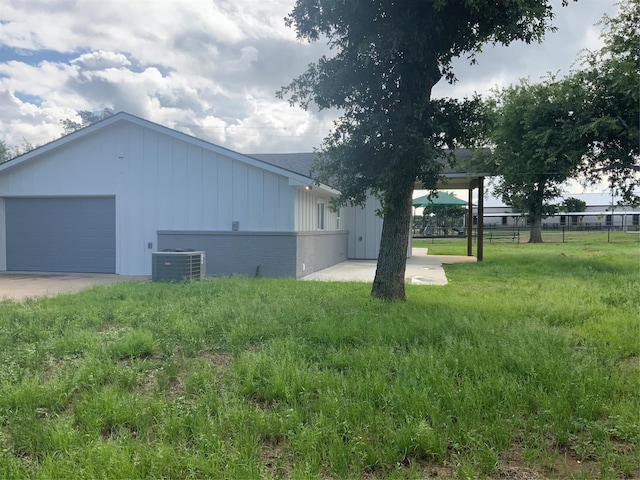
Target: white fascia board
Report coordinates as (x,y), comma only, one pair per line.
(308,182)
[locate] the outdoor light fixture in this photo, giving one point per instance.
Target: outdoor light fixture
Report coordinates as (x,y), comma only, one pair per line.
(308,187)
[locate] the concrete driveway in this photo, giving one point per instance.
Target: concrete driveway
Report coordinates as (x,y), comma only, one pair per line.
(18,286)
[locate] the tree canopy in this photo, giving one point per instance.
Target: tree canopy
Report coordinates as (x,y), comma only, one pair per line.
(5,153)
(87,118)
(8,152)
(388,55)
(573,204)
(585,124)
(537,145)
(611,109)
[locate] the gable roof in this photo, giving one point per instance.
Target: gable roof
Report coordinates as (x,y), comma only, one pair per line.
(297,167)
(440,199)
(302,163)
(295,178)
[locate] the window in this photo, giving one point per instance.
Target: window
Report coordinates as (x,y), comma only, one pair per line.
(636,219)
(563,220)
(505,220)
(338,219)
(321,208)
(574,220)
(609,221)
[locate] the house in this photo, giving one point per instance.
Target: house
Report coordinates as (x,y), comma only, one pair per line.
(603,211)
(103,198)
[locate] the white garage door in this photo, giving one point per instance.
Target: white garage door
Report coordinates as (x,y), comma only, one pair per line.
(61,234)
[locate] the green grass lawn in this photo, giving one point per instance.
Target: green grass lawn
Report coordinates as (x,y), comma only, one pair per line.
(525,365)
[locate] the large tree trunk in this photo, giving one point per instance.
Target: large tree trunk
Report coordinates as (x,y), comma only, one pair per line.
(388,283)
(536,231)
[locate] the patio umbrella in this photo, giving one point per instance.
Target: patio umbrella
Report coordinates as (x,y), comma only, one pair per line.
(441,199)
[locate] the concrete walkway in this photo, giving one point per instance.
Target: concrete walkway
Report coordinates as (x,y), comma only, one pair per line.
(422,269)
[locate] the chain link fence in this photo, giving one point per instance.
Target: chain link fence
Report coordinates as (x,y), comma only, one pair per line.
(550,234)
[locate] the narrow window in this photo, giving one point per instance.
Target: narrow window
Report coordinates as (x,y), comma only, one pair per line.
(609,221)
(636,219)
(563,220)
(504,220)
(320,215)
(338,219)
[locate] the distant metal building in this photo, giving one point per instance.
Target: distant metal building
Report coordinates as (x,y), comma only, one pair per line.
(603,211)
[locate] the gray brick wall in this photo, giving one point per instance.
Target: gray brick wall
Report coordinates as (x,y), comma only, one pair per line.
(318,250)
(269,254)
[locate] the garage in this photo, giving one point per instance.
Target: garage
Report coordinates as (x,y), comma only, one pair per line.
(61,234)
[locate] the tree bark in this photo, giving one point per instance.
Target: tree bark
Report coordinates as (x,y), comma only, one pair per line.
(536,231)
(388,283)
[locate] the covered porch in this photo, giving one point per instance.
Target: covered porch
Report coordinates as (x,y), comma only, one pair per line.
(463,180)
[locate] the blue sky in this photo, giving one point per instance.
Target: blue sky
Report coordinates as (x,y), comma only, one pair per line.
(209,68)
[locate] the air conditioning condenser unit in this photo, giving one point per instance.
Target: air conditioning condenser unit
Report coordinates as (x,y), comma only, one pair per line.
(178,265)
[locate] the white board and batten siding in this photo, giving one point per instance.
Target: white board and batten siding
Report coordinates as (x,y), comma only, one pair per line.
(307,212)
(362,223)
(365,230)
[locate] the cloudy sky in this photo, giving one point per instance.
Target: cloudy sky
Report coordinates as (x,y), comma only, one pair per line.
(209,68)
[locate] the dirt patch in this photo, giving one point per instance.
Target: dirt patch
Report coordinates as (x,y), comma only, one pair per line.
(511,466)
(218,360)
(51,366)
(434,471)
(570,465)
(274,461)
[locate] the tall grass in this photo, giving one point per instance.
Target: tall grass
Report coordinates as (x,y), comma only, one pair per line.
(526,362)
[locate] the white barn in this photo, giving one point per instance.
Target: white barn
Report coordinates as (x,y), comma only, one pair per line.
(105,197)
(602,212)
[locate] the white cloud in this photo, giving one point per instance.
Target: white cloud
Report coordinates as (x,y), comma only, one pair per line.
(206,67)
(101,60)
(557,54)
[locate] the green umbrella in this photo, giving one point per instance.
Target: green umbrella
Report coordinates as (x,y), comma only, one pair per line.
(441,199)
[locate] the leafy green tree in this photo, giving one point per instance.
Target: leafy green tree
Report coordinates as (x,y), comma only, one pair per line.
(572,204)
(611,78)
(86,118)
(537,146)
(388,55)
(444,216)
